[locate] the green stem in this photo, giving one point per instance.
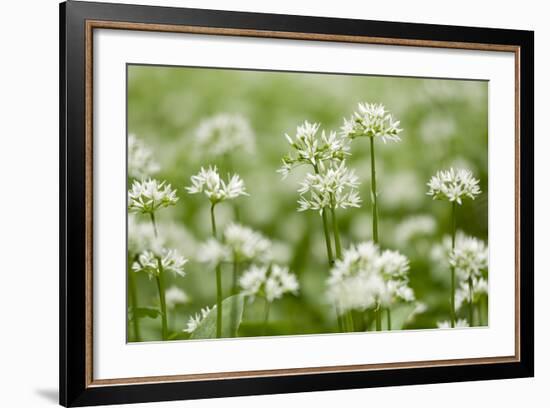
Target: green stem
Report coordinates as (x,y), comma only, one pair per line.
(266,316)
(453,241)
(388,311)
(154,224)
(336,233)
(339,320)
(219,312)
(234,291)
(470,302)
(132,295)
(373,193)
(161,288)
(349,322)
(327,237)
(378,318)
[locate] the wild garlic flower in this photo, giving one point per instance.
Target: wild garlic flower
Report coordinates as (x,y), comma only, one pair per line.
(447,324)
(462,295)
(366,277)
(197,319)
(372,120)
(310,147)
(272,282)
(175,296)
(169,259)
(334,187)
(147,196)
(469,258)
(246,244)
(453,185)
(214,187)
(413,228)
(140,159)
(213,251)
(223,134)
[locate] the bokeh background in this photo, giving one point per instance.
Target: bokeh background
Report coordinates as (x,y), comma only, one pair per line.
(444,124)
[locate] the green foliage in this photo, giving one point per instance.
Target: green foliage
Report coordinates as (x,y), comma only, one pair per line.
(231,319)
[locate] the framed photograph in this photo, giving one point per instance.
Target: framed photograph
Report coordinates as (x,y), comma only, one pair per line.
(256,204)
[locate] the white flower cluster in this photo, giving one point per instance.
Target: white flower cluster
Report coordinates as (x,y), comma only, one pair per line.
(214,187)
(414,227)
(372,120)
(175,296)
(334,187)
(140,159)
(197,319)
(223,134)
(453,185)
(151,263)
(469,258)
(147,196)
(270,281)
(310,147)
(367,277)
(239,244)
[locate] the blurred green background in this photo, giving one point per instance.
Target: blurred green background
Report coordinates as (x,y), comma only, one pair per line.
(444,124)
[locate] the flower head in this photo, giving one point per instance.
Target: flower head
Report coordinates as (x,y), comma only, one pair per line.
(140,159)
(372,120)
(366,277)
(168,259)
(224,133)
(453,185)
(214,187)
(469,258)
(197,319)
(175,296)
(272,282)
(334,187)
(213,252)
(246,244)
(310,147)
(479,288)
(147,196)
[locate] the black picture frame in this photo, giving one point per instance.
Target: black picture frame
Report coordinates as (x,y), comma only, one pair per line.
(76,386)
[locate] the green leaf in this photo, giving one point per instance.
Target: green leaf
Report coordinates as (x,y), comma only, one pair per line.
(232,314)
(140,312)
(400,314)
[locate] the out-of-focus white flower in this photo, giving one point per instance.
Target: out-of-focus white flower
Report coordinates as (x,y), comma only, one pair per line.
(214,187)
(213,251)
(246,244)
(151,263)
(366,277)
(469,258)
(141,236)
(453,185)
(272,282)
(462,294)
(147,196)
(309,147)
(447,324)
(372,120)
(196,320)
(175,296)
(334,187)
(223,134)
(140,159)
(414,227)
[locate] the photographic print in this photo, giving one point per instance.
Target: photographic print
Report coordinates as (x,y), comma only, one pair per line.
(268,203)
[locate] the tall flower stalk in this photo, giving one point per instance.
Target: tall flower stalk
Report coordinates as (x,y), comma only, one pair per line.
(375,122)
(156,265)
(324,153)
(217,190)
(453,186)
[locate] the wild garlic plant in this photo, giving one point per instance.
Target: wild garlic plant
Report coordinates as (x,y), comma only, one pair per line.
(453,186)
(368,278)
(146,197)
(217,190)
(270,282)
(331,185)
(375,122)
